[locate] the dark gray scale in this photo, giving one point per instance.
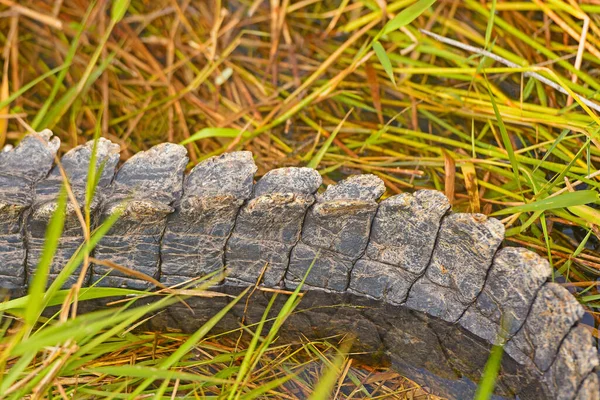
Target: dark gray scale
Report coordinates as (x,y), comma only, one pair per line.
(145,188)
(400,245)
(20,169)
(516,276)
(554,312)
(335,233)
(462,256)
(76,166)
(194,242)
(269,225)
(576,359)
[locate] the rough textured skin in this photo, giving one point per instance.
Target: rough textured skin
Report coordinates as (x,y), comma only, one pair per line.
(535,343)
(465,247)
(383,334)
(20,169)
(576,359)
(144,189)
(400,245)
(516,276)
(589,388)
(194,242)
(381,281)
(335,233)
(75,164)
(373,260)
(268,226)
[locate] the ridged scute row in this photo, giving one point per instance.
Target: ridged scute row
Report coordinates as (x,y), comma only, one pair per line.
(144,190)
(194,240)
(335,233)
(407,250)
(269,224)
(20,169)
(402,239)
(75,164)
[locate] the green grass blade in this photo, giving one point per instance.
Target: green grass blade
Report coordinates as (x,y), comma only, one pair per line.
(63,73)
(60,107)
(30,85)
(261,390)
(118,10)
(17,306)
(77,258)
(16,370)
(246,365)
(145,372)
(94,173)
(505,138)
(326,383)
(316,160)
(40,278)
(490,25)
(215,132)
(384,60)
(191,341)
(563,200)
(485,390)
(559,139)
(406,16)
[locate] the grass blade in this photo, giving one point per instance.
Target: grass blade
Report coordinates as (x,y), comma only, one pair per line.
(490,26)
(214,132)
(384,60)
(191,342)
(316,160)
(408,15)
(327,382)
(563,200)
(505,138)
(30,85)
(485,390)
(64,70)
(40,279)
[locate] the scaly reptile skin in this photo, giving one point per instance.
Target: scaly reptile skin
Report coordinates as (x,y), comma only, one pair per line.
(427,286)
